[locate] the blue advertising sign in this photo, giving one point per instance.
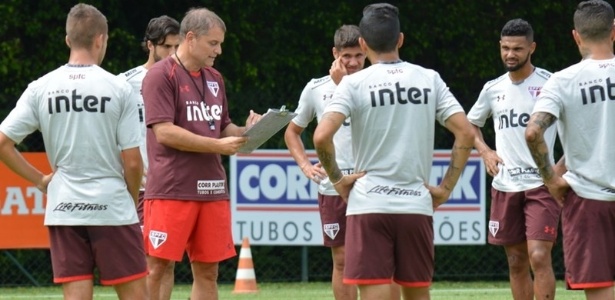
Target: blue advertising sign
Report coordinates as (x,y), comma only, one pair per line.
(273,203)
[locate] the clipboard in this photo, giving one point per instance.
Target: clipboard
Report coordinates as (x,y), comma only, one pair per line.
(269,124)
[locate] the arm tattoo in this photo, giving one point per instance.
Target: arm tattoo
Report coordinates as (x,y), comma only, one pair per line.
(327,159)
(326,153)
(539,122)
(459,157)
(543,120)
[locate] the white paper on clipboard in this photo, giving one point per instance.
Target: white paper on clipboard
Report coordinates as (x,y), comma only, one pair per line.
(270,123)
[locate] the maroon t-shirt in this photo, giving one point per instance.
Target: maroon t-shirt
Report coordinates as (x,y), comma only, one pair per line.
(172,94)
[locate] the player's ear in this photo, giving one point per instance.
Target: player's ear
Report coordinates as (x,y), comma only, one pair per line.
(532,47)
(335,52)
(363,44)
(99,41)
(400,40)
(67,41)
(576,37)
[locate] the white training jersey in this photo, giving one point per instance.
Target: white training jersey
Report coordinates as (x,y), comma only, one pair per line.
(394,108)
(135,77)
(510,105)
(316,95)
(582,97)
(86,117)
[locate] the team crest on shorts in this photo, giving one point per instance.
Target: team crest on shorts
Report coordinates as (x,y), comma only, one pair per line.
(493,227)
(157,238)
(331,230)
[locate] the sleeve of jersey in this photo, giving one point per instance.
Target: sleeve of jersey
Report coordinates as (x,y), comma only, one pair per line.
(305,109)
(549,100)
(446,104)
(342,99)
(23,119)
(158,97)
(481,110)
(225,117)
(128,129)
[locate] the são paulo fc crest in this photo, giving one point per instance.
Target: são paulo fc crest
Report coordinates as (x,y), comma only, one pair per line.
(331,230)
(534,91)
(213,87)
(157,238)
(494,226)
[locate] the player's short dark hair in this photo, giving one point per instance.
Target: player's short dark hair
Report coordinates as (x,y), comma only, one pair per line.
(518,27)
(593,20)
(347,36)
(379,27)
(158,29)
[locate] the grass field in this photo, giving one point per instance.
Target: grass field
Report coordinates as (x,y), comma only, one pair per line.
(305,291)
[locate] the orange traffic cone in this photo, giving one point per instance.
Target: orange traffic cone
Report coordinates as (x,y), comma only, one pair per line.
(245,281)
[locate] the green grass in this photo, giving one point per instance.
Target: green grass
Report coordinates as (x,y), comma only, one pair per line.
(304,291)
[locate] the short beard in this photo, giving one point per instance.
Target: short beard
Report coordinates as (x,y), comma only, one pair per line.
(518,66)
(156,57)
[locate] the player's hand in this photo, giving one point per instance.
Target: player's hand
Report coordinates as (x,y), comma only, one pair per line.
(230,145)
(439,195)
(492,162)
(252,119)
(314,172)
(345,184)
(42,186)
(558,187)
(338,70)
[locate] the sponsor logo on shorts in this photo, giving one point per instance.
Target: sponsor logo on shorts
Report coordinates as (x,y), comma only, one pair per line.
(79,206)
(157,238)
(331,230)
(494,226)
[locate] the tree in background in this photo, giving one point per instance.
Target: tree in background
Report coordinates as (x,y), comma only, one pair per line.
(273,46)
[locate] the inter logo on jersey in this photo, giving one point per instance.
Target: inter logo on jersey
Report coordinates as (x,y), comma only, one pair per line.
(75,102)
(331,230)
(157,238)
(384,95)
(599,92)
(509,119)
(213,87)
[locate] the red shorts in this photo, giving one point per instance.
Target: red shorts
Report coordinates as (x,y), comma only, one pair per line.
(384,246)
(521,216)
(333,218)
(116,251)
(201,228)
(588,230)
